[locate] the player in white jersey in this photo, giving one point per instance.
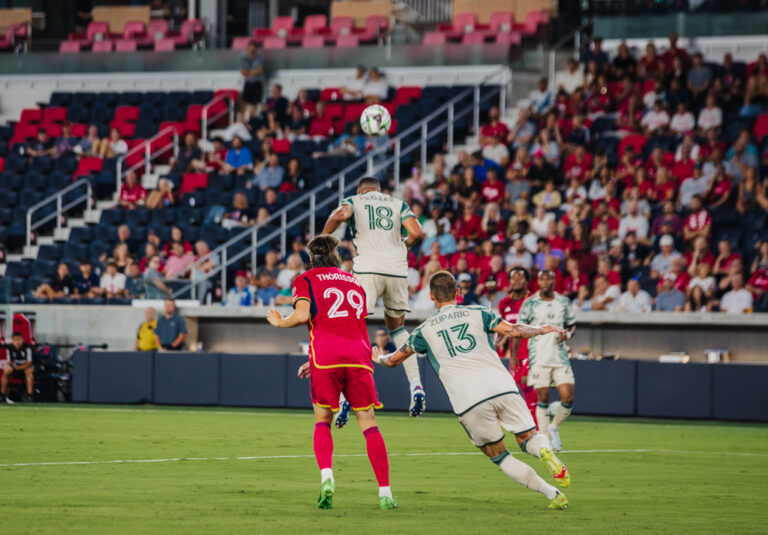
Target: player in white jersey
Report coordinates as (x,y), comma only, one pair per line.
(548,355)
(458,342)
(378,222)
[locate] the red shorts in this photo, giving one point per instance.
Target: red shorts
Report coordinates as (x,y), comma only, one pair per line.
(357,384)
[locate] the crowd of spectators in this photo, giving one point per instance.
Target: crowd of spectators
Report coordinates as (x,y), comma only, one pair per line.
(638,181)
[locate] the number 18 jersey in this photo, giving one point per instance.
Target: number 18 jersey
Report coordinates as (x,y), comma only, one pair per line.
(377,232)
(338,334)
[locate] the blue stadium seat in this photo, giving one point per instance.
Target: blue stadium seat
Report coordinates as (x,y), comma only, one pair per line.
(137,216)
(52,252)
(81,235)
(129,98)
(182,98)
(83,98)
(112,217)
(74,251)
(44,268)
(65,164)
(201,97)
(163,217)
(37,181)
(60,98)
(156,98)
(42,164)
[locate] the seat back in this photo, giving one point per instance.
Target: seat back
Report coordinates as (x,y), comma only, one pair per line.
(125,45)
(313,41)
(433,38)
(97,30)
(102,46)
(465,22)
(347,41)
(275,43)
(69,47)
(314,23)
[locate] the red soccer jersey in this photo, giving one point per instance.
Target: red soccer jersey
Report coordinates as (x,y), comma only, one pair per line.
(509,309)
(338,335)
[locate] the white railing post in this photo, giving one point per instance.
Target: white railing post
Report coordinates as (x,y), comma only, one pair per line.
(312,218)
(175,142)
(424,146)
(476,110)
(231,110)
(397,163)
(369,166)
(192,284)
(88,202)
(58,215)
(204,122)
(503,94)
(119,173)
(341,188)
(450,128)
(254,248)
(283,231)
(224,271)
(29,231)
(552,56)
(147,156)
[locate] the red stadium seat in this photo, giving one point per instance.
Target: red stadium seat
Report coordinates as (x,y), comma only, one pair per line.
(126,45)
(134,29)
(331,93)
(313,24)
(14,35)
(2,164)
(636,141)
(241,43)
(102,46)
(53,130)
(24,130)
(176,125)
(275,43)
(22,324)
(347,41)
(125,114)
(281,146)
(87,165)
(97,31)
(340,126)
(334,110)
(165,45)
(191,31)
(79,129)
(282,26)
(392,127)
(233,94)
(342,25)
(313,41)
(194,112)
(69,47)
(31,115)
(353,111)
(405,94)
(509,38)
(474,38)
(761,127)
(464,22)
(374,26)
(156,29)
(501,21)
(53,114)
(434,38)
(192,182)
(127,130)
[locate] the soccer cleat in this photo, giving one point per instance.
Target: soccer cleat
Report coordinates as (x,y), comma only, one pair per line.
(553,464)
(385,502)
(8,400)
(325,500)
(343,416)
(418,402)
(554,439)
(558,502)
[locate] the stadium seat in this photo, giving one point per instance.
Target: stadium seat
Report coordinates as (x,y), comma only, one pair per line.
(69,47)
(347,41)
(275,43)
(341,26)
(331,93)
(282,26)
(474,38)
(192,182)
(313,41)
(165,45)
(761,127)
(126,45)
(501,22)
(102,46)
(434,38)
(241,43)
(509,38)
(314,24)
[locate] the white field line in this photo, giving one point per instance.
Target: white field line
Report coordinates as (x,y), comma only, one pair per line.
(426,454)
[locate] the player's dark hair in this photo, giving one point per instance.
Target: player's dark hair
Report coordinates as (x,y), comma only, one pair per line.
(521,270)
(369,182)
(443,286)
(322,249)
(17,333)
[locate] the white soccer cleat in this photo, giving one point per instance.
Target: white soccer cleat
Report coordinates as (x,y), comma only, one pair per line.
(554,439)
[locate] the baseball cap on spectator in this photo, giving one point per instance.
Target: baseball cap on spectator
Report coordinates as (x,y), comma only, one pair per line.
(490,280)
(538,153)
(465,277)
(670,276)
(498,238)
(243,273)
(666,240)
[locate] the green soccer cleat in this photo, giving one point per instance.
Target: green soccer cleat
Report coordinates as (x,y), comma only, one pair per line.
(385,502)
(325,500)
(558,502)
(553,464)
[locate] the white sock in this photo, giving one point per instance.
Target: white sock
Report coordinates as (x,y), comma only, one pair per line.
(563,412)
(542,417)
(385,491)
(534,444)
(411,364)
(326,473)
(521,473)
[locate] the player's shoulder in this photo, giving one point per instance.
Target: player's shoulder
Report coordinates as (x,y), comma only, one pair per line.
(562,299)
(532,299)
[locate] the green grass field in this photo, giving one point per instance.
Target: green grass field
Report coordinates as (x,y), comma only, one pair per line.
(252,471)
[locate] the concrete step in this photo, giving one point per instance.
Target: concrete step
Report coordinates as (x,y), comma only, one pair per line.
(17,257)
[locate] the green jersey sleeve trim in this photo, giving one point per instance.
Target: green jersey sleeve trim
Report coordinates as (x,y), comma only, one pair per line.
(490,319)
(417,343)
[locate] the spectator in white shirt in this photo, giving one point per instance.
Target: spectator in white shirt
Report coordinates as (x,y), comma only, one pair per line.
(112,281)
(541,98)
(606,294)
(572,78)
(634,300)
(496,151)
(738,300)
(633,222)
(703,279)
(376,88)
(656,120)
(682,121)
(354,89)
(710,116)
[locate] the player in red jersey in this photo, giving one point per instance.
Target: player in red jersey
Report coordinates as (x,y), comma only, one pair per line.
(509,308)
(333,304)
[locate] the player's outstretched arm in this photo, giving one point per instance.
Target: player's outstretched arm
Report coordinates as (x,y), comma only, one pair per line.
(415,234)
(521,330)
(339,215)
(391,359)
(299,316)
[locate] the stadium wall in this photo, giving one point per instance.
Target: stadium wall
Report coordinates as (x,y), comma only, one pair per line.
(611,388)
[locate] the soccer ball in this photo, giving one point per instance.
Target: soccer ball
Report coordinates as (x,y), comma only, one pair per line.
(375,120)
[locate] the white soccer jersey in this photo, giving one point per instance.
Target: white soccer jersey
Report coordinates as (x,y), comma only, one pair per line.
(545,350)
(458,342)
(377,232)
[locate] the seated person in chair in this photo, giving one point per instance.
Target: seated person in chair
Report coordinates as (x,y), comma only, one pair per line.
(19,365)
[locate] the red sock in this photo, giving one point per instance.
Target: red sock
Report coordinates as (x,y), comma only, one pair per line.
(377,454)
(323,443)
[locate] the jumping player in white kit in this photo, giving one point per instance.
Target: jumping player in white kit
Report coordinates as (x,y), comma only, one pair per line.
(378,223)
(458,342)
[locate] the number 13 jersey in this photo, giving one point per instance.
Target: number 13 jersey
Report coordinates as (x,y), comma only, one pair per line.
(377,232)
(338,335)
(458,342)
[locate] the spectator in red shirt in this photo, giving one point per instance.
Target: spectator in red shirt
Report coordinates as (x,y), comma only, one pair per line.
(469,225)
(321,124)
(758,283)
(463,252)
(699,222)
(700,254)
(496,271)
(132,193)
(665,188)
(684,168)
(492,190)
(719,190)
(602,216)
(674,52)
(668,216)
(606,269)
(651,65)
(574,278)
(435,254)
(725,257)
(177,236)
(578,164)
(682,279)
(494,128)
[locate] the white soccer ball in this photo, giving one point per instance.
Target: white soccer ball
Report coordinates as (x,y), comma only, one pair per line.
(375,120)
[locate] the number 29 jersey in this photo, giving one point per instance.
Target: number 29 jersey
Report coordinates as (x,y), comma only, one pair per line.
(377,232)
(338,334)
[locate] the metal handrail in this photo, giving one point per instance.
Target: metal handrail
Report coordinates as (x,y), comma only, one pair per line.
(205,120)
(148,155)
(60,207)
(576,36)
(251,233)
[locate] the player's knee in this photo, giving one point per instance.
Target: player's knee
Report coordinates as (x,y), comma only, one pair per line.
(523,437)
(543,396)
(567,398)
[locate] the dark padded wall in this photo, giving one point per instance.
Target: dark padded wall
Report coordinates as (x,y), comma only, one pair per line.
(253,380)
(187,378)
(296,390)
(674,390)
(121,377)
(605,387)
(80,379)
(738,392)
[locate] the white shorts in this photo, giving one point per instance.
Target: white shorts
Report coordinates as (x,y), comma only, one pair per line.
(546,376)
(392,290)
(485,423)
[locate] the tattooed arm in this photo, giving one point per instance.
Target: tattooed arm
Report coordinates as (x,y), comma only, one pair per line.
(520,330)
(391,359)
